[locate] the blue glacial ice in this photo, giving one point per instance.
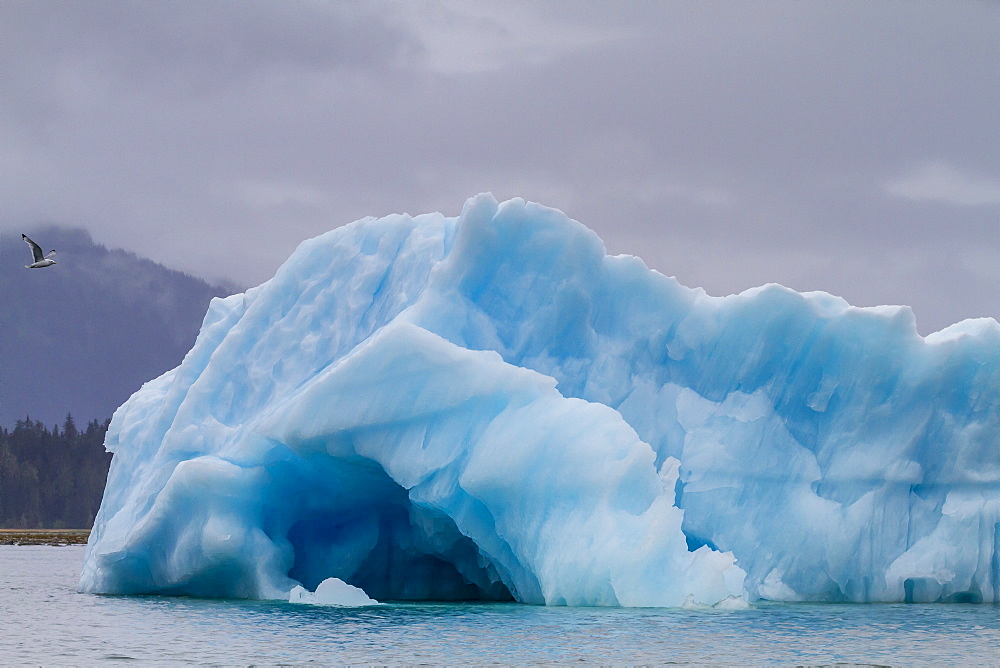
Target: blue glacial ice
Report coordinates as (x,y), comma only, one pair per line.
(490,407)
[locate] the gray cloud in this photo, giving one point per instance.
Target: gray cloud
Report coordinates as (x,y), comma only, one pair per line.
(941,182)
(849,147)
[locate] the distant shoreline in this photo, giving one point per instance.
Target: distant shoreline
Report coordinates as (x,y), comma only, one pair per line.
(44,536)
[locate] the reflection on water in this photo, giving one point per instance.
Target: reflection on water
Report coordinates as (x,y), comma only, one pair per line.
(46,621)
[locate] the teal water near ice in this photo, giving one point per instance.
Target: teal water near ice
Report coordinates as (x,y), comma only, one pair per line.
(43,620)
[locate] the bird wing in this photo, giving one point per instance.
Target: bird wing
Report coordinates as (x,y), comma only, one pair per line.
(36,251)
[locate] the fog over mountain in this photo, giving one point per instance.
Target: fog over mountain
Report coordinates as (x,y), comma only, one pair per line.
(80,337)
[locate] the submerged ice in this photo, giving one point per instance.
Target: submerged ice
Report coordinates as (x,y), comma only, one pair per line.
(489,407)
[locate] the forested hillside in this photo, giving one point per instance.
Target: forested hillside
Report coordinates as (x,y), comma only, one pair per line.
(78,338)
(52,479)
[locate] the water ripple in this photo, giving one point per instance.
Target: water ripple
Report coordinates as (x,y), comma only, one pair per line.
(53,624)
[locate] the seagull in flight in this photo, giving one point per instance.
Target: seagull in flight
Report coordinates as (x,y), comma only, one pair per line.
(36,253)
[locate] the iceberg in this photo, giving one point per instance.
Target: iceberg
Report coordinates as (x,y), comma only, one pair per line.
(490,407)
(331,591)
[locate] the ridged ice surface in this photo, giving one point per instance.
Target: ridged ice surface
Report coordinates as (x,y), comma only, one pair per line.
(490,407)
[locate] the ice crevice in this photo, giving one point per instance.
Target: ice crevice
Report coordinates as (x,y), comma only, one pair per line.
(490,407)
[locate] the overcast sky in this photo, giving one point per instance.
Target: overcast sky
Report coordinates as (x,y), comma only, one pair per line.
(850,147)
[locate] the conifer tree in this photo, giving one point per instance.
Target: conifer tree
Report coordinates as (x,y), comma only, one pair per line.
(52,479)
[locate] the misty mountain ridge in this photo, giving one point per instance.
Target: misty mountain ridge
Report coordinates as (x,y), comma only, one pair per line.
(80,337)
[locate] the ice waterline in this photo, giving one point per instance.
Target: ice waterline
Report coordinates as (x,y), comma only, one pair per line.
(490,407)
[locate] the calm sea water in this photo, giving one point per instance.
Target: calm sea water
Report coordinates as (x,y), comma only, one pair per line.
(44,620)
